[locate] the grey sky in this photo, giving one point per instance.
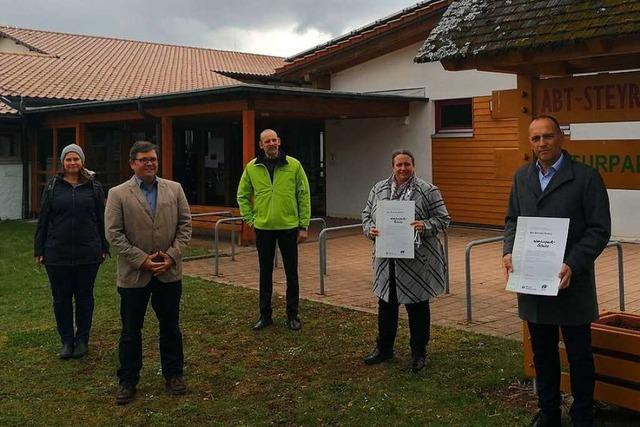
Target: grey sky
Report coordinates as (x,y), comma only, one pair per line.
(278,27)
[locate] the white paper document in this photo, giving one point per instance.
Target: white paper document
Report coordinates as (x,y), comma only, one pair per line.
(537,256)
(393,220)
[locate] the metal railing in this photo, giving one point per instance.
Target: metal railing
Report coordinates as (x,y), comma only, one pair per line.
(216,264)
(467,270)
(467,267)
(322,248)
(618,246)
(198,215)
(219,213)
(216,244)
(447,287)
(322,253)
(312,220)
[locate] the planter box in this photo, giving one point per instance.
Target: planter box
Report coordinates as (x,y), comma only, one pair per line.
(615,338)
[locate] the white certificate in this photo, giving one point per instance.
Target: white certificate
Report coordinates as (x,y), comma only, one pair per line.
(538,253)
(393,220)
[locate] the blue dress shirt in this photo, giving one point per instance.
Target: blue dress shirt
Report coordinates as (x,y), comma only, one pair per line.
(150,193)
(546,177)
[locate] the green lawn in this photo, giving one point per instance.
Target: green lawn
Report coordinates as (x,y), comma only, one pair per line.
(236,376)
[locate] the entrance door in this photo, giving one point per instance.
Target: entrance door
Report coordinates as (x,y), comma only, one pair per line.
(207,161)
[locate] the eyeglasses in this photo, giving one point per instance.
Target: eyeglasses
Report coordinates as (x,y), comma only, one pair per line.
(151,160)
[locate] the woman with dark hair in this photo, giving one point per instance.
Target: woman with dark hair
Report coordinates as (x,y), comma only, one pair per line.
(70,242)
(411,282)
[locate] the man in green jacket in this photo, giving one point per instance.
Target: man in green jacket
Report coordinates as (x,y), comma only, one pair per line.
(274,199)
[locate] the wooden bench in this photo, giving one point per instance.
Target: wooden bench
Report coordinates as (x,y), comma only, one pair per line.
(208,222)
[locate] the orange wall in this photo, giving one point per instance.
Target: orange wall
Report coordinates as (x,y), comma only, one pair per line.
(465,169)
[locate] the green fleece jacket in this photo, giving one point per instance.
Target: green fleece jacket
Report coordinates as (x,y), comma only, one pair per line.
(282,204)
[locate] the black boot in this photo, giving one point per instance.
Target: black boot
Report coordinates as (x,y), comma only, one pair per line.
(66,351)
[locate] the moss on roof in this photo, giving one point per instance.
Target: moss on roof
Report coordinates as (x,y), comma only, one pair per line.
(482,27)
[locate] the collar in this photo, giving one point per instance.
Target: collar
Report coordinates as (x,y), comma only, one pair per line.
(280,160)
(140,182)
(555,166)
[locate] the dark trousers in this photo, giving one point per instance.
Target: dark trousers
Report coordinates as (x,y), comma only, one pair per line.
(287,241)
(419,320)
(546,359)
(70,283)
(165,300)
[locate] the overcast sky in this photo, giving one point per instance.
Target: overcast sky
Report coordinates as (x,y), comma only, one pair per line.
(274,27)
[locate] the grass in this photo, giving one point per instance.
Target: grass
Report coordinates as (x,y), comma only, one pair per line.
(236,376)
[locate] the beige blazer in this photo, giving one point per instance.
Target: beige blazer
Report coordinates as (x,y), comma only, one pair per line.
(134,232)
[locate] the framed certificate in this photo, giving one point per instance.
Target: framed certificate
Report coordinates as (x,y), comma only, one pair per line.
(393,220)
(538,254)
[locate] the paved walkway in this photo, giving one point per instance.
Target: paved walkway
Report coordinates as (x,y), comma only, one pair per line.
(348,280)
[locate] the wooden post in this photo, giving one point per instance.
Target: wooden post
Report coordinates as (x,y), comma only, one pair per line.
(81,135)
(54,152)
(166,149)
(248,153)
(248,136)
(525,86)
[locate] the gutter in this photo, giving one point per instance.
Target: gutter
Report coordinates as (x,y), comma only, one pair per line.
(237,90)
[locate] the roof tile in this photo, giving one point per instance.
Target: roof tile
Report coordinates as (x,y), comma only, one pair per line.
(71,66)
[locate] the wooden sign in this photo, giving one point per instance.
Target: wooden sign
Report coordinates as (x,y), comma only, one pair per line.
(612,97)
(618,162)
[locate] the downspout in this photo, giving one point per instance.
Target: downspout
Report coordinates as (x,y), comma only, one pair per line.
(24,154)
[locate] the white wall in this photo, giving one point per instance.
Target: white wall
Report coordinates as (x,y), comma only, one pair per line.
(358,152)
(397,70)
(10,191)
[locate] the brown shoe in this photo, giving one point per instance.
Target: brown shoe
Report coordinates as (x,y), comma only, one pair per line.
(176,385)
(125,394)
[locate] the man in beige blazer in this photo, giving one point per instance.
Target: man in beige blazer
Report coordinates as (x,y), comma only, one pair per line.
(147,220)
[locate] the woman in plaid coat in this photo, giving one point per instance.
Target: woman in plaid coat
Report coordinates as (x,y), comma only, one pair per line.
(407,281)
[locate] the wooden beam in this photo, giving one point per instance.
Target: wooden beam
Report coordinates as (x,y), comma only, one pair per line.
(71,120)
(199,109)
(525,115)
(81,135)
(248,136)
(166,150)
(248,153)
(54,152)
(34,174)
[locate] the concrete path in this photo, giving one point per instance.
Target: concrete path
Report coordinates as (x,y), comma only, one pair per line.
(348,282)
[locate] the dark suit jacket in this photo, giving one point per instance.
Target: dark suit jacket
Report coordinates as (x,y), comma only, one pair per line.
(576,192)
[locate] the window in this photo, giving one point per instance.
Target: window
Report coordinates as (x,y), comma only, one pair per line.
(454,117)
(9,148)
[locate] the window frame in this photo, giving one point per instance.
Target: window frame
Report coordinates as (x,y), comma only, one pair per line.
(451,131)
(12,140)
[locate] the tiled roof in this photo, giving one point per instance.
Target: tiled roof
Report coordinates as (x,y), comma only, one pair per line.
(71,66)
(474,28)
(6,110)
(364,34)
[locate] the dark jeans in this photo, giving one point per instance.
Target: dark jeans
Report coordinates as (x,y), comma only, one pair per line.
(266,244)
(546,359)
(419,320)
(165,300)
(69,283)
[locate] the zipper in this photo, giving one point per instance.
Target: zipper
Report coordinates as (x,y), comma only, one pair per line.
(272,181)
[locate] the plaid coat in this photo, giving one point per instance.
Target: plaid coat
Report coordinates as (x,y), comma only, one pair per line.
(422,277)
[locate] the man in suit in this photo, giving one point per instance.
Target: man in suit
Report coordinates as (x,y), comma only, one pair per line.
(148,221)
(555,185)
(274,198)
